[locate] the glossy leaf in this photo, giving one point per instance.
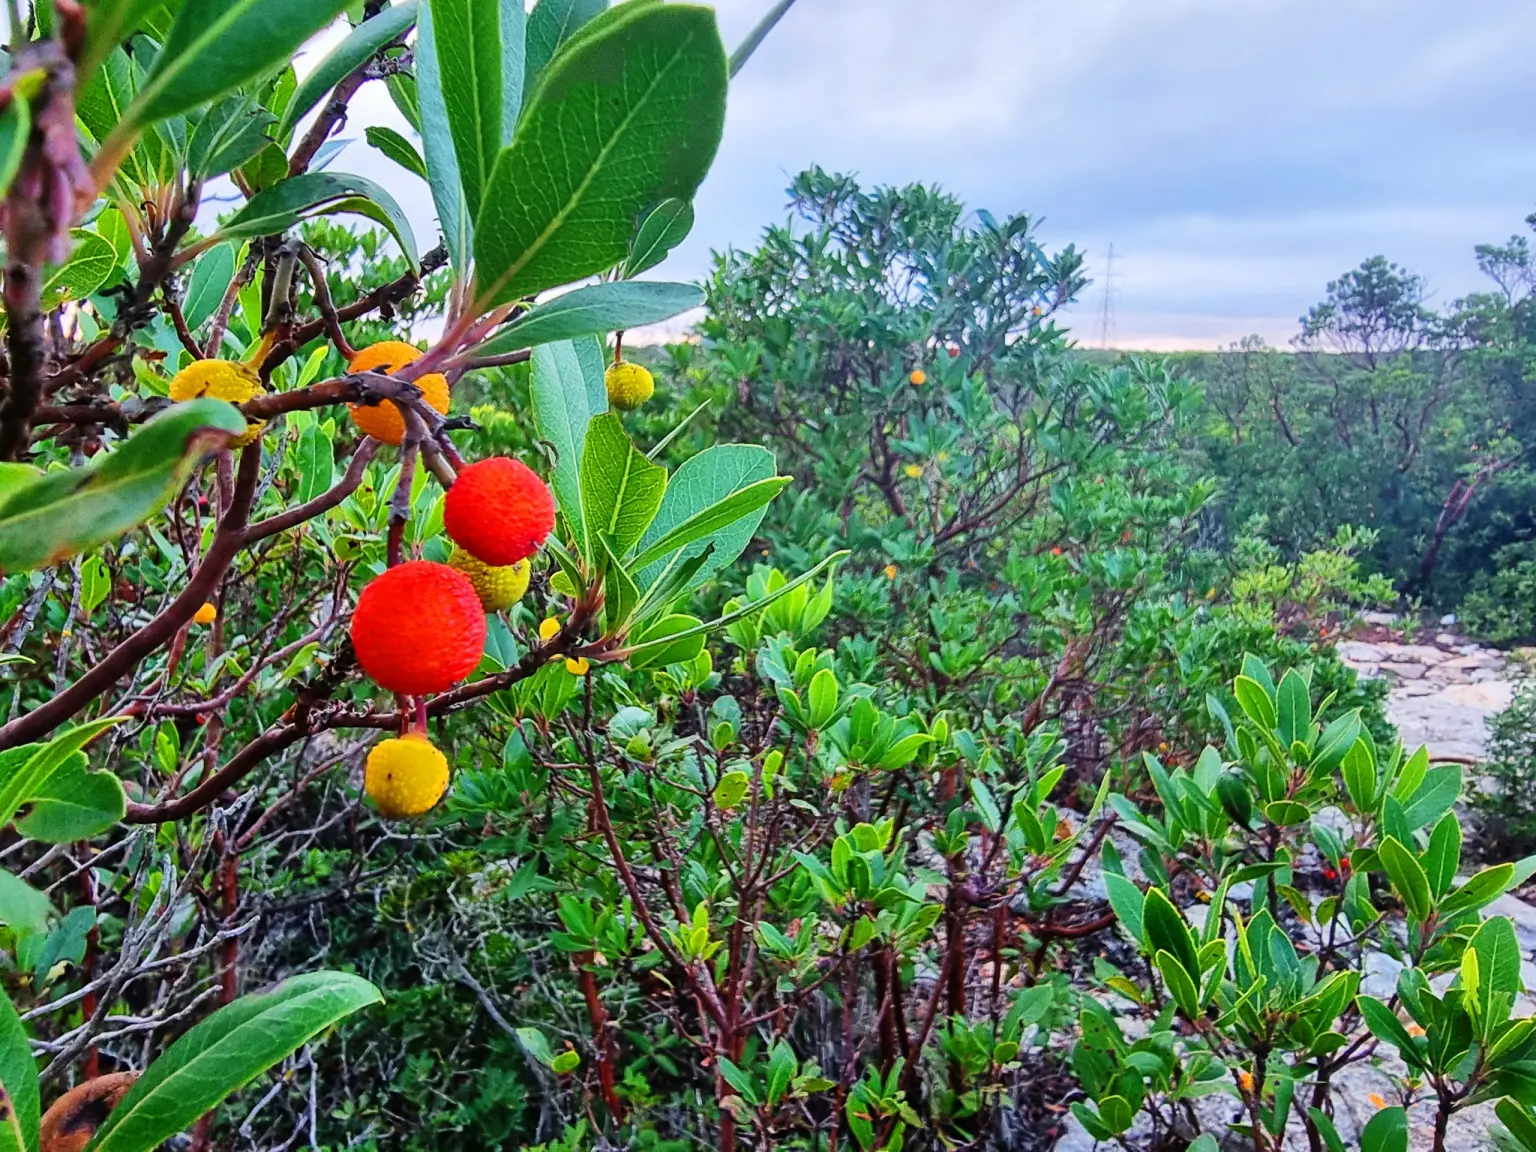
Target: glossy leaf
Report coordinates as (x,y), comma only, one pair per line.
(628,114)
(731,790)
(664,227)
(709,521)
(225,1052)
(453,211)
(1407,875)
(357,49)
(25,777)
(211,277)
(228,136)
(73,804)
(1165,929)
(1387,1131)
(18,1079)
(558,392)
(62,513)
(89,265)
(215,46)
(701,483)
(597,308)
(550,24)
(620,489)
(15,127)
(279,207)
(397,148)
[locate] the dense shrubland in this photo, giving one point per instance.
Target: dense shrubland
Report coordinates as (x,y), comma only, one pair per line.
(876,755)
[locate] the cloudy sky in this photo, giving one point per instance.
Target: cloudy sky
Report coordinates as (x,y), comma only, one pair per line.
(1238,154)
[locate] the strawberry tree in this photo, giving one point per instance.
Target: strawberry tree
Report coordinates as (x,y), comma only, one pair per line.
(181,391)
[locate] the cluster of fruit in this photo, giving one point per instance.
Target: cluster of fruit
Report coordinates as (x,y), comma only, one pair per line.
(419,627)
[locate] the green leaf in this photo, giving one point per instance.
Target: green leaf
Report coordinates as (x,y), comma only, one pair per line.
(453,212)
(275,209)
(18,1081)
(227,136)
(95,584)
(468,38)
(1325,1127)
(1498,966)
(1408,877)
(740,1080)
(1434,797)
(216,46)
(232,1047)
(1180,985)
(73,804)
(558,391)
(1519,1122)
(702,484)
(62,513)
(1479,890)
(397,148)
(23,908)
(1387,1131)
(986,803)
(15,127)
(1166,930)
(108,23)
(708,522)
(211,276)
(1294,709)
(1126,900)
(782,1066)
(630,113)
(731,790)
(357,49)
(536,1045)
(1385,1025)
(620,489)
(315,463)
(1337,739)
(566,1063)
(670,640)
(1443,856)
(24,779)
(1255,702)
(90,263)
(551,24)
(596,308)
(821,698)
(664,227)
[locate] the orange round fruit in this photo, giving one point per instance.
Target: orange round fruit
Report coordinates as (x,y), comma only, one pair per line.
(383,421)
(207,614)
(418,628)
(499,511)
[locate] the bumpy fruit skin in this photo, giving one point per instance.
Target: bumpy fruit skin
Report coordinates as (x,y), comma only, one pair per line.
(629,385)
(405,777)
(220,380)
(383,421)
(498,588)
(499,511)
(207,614)
(419,628)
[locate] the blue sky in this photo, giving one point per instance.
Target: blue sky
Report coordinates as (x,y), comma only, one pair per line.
(1237,153)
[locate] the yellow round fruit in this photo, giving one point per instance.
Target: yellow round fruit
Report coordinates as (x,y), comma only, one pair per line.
(405,777)
(207,614)
(220,380)
(498,587)
(918,378)
(383,421)
(629,385)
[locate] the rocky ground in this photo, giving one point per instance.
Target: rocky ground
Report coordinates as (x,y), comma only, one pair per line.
(1444,691)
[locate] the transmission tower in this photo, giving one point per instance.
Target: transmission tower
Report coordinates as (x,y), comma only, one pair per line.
(1107,316)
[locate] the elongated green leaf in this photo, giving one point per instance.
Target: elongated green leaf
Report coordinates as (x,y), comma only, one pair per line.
(453,211)
(397,148)
(1385,1025)
(15,127)
(1479,890)
(722,514)
(1165,929)
(551,24)
(1443,855)
(18,1082)
(1294,709)
(211,276)
(1407,875)
(62,513)
(701,483)
(228,135)
(217,45)
(467,36)
(665,227)
(620,489)
(1182,987)
(1126,900)
(73,804)
(595,308)
(23,909)
(107,24)
(1434,797)
(1498,965)
(1519,1122)
(1255,702)
(24,781)
(225,1052)
(357,49)
(279,207)
(558,391)
(629,114)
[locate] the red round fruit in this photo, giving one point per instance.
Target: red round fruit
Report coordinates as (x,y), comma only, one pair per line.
(499,511)
(419,628)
